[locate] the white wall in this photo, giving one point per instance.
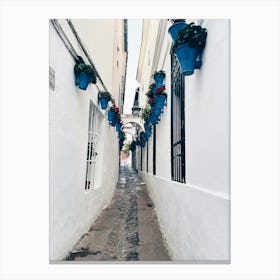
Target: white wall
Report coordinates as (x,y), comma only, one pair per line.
(194,216)
(207,114)
(194,222)
(72,209)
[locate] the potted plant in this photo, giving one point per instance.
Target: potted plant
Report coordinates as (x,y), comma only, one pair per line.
(151,100)
(118,126)
(132,146)
(112,115)
(190,42)
(153,88)
(148,130)
(142,139)
(103,98)
(159,77)
(177,25)
(160,97)
(121,136)
(146,113)
(84,74)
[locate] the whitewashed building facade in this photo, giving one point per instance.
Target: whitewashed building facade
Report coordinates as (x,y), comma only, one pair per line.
(191,190)
(81,186)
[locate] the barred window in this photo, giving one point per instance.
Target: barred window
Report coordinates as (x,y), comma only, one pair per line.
(177,122)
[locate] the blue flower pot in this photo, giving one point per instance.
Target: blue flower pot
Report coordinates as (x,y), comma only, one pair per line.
(84,80)
(157,111)
(175,28)
(111,116)
(142,144)
(133,146)
(103,102)
(148,132)
(113,122)
(159,80)
(186,57)
(160,101)
(118,127)
(154,89)
(121,136)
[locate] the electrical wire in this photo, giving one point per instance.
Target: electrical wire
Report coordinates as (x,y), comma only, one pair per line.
(85,52)
(64,39)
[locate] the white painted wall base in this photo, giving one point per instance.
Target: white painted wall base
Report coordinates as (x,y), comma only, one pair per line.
(194,222)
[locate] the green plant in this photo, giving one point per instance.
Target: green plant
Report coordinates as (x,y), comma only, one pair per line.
(127,147)
(146,112)
(88,69)
(150,94)
(159,73)
(193,35)
(104,94)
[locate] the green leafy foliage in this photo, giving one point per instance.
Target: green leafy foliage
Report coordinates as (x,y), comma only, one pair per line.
(159,73)
(104,94)
(193,35)
(88,69)
(146,112)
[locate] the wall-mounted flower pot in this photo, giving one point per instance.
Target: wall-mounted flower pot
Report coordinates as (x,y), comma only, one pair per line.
(118,127)
(187,58)
(159,80)
(103,102)
(148,131)
(84,80)
(133,146)
(142,144)
(121,136)
(153,88)
(175,28)
(111,116)
(160,100)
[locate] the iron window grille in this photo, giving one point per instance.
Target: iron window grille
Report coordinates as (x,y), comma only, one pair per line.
(177,122)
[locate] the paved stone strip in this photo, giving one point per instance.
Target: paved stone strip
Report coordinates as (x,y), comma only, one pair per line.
(123,240)
(126,230)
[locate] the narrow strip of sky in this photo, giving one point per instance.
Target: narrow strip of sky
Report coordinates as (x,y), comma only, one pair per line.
(134,28)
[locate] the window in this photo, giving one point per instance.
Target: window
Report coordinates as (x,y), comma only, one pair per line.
(154,149)
(92,146)
(177,122)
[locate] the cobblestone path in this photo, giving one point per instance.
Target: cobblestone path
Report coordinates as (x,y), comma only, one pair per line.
(126,230)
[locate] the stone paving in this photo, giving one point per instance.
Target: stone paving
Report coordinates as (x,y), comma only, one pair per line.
(126,230)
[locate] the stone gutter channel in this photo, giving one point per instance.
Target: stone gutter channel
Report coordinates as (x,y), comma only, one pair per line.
(126,230)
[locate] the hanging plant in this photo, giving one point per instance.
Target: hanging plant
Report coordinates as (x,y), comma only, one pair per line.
(159,77)
(146,113)
(177,25)
(152,100)
(152,88)
(103,98)
(188,47)
(84,74)
(112,116)
(150,94)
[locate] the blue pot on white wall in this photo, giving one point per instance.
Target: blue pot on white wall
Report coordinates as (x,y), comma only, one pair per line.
(118,127)
(176,28)
(187,58)
(159,80)
(84,80)
(103,102)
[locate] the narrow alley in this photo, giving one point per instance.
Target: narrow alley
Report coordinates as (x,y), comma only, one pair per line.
(127,229)
(123,90)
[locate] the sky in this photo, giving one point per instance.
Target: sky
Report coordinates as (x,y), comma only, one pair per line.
(134,27)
